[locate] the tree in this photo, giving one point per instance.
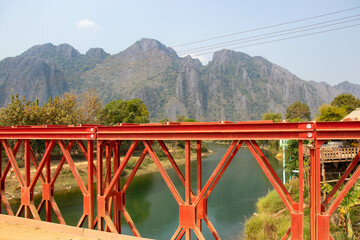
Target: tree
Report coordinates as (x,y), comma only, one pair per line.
(276,117)
(298,111)
(13,114)
(64,110)
(345,210)
(89,105)
(331,113)
(182,118)
(346,101)
(61,111)
(133,111)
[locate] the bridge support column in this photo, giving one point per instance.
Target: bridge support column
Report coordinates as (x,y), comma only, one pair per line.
(27,192)
(48,199)
(194,208)
(109,193)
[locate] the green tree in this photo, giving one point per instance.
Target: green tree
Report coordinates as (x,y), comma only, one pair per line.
(133,111)
(64,110)
(330,113)
(347,101)
(61,111)
(164,120)
(13,114)
(298,111)
(345,208)
(276,117)
(182,118)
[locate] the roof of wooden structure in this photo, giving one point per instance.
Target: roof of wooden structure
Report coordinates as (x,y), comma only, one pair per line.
(353,116)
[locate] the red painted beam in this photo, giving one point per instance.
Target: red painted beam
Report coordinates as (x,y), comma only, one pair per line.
(41,132)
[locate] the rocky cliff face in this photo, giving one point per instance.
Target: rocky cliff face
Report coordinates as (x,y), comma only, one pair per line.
(30,77)
(244,87)
(233,86)
(45,71)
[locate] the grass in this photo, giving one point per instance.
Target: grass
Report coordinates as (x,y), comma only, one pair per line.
(272,219)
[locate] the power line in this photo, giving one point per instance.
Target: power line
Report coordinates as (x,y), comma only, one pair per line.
(154,58)
(266,27)
(282,39)
(267,34)
(148,60)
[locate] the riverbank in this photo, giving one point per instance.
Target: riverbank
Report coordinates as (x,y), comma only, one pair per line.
(272,219)
(66,180)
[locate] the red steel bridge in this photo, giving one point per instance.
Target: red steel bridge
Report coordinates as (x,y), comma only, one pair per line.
(109,198)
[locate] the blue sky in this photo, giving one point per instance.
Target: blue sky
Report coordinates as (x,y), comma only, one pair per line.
(331,57)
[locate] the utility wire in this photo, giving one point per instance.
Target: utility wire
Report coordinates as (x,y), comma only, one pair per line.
(151,59)
(267,34)
(272,35)
(287,38)
(156,59)
(266,27)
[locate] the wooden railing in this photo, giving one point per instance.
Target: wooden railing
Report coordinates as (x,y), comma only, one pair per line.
(338,154)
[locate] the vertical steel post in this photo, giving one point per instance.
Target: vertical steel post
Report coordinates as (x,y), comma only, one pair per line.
(27,174)
(99,186)
(199,176)
(312,195)
(322,221)
(297,215)
(301,176)
(187,182)
(47,181)
(1,176)
(90,158)
(317,186)
(117,204)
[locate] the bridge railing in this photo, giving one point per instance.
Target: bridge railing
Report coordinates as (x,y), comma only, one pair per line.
(111,194)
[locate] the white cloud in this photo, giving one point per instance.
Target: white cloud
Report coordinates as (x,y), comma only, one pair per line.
(86,23)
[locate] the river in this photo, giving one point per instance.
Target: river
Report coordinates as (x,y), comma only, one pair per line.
(155,211)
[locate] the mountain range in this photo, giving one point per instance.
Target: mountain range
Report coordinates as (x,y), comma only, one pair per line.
(232,86)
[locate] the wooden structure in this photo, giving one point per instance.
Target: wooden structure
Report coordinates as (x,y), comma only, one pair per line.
(338,154)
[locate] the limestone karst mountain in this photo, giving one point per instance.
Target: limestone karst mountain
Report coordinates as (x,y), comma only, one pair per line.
(232,86)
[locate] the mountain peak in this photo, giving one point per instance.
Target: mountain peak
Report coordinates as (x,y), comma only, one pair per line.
(226,55)
(149,45)
(96,53)
(348,87)
(48,50)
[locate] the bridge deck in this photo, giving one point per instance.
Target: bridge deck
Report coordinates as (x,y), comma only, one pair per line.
(15,228)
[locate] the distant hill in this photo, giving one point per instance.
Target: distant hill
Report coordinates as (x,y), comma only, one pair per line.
(232,86)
